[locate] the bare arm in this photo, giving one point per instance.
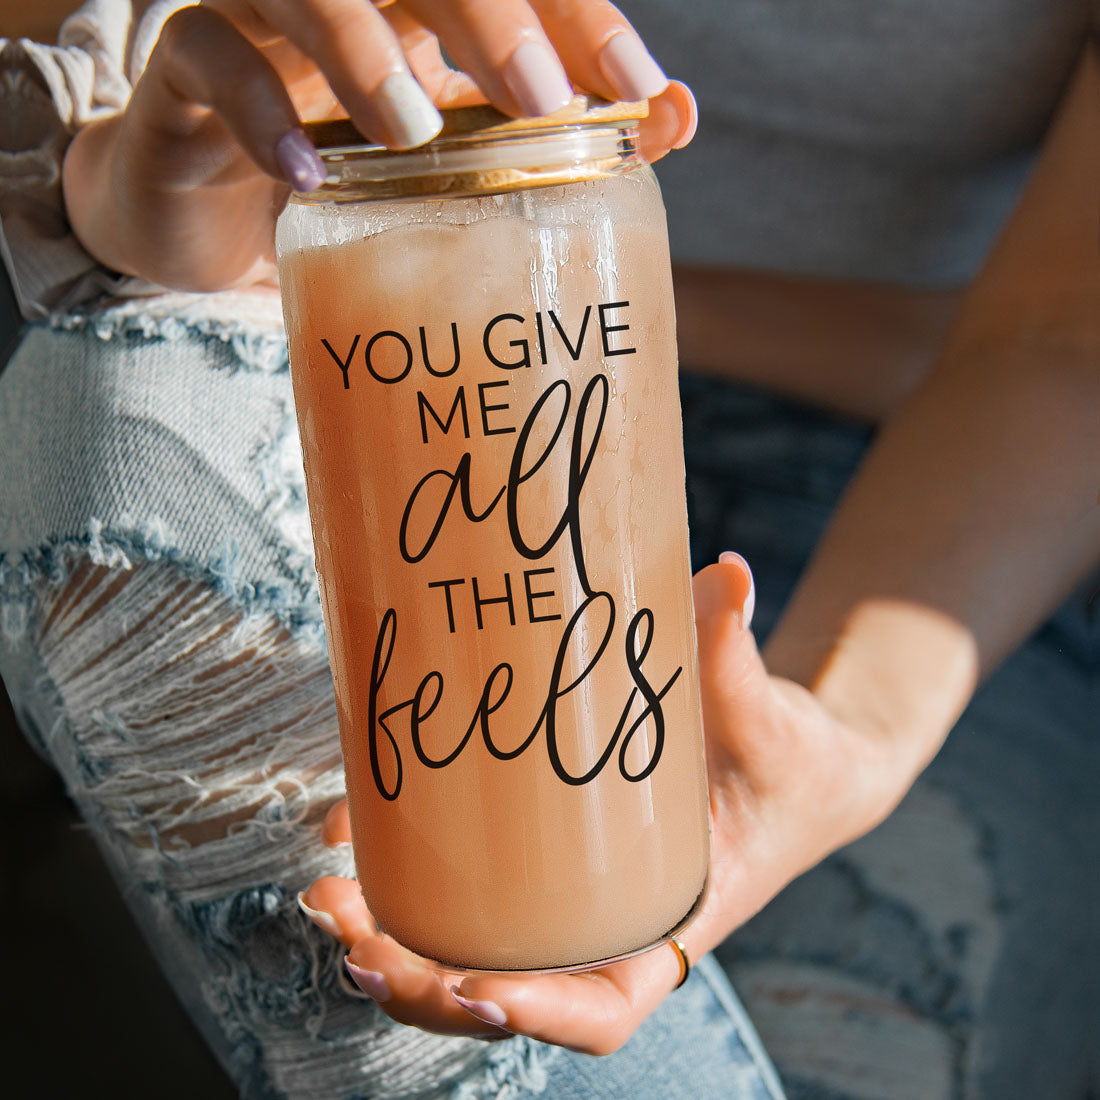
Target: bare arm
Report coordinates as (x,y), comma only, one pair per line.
(977,509)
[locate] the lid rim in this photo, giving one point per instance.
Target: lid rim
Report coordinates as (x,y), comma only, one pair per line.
(331,135)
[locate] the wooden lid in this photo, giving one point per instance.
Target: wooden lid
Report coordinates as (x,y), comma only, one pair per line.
(584,110)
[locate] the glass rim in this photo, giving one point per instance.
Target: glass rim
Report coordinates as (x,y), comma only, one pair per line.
(479,162)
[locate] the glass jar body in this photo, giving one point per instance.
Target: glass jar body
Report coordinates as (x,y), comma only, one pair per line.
(486,388)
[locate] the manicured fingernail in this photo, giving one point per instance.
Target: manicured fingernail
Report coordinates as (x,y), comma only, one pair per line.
(298,161)
(692,123)
(749,606)
(349,987)
(487,1011)
(408,113)
(535,77)
(325,921)
(630,69)
(371,982)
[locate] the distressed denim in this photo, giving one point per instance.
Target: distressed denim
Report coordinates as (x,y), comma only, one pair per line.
(162,645)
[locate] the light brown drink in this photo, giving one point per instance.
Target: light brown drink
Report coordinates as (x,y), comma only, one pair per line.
(504,569)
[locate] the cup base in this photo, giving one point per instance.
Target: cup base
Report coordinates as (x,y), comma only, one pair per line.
(447,967)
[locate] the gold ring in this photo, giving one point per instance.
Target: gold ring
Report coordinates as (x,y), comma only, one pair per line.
(685,962)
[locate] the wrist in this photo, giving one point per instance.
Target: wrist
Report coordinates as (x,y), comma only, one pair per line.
(898,674)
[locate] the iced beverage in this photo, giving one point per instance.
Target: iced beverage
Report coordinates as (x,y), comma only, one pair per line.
(487,396)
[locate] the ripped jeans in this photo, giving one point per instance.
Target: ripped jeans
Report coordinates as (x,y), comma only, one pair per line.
(162,644)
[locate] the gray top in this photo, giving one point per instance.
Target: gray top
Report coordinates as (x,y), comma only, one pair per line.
(881,140)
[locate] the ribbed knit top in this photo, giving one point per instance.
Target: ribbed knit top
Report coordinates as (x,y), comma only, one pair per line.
(882,140)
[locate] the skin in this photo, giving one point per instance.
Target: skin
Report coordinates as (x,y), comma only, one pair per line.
(973,515)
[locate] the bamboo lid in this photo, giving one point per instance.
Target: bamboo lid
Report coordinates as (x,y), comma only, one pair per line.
(339,133)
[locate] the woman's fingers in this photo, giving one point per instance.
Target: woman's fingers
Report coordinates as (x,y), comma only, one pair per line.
(601,51)
(503,46)
(362,58)
(734,683)
(593,42)
(336,828)
(524,55)
(411,991)
(202,63)
(337,907)
(593,1012)
(402,983)
(385,67)
(447,87)
(673,117)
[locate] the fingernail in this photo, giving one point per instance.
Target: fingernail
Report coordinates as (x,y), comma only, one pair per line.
(487,1011)
(349,987)
(409,115)
(535,77)
(692,124)
(325,921)
(298,161)
(749,606)
(371,982)
(630,69)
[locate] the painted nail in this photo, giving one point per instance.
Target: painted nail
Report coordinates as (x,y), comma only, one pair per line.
(298,161)
(630,69)
(487,1011)
(692,124)
(349,987)
(371,982)
(535,77)
(749,606)
(325,921)
(409,115)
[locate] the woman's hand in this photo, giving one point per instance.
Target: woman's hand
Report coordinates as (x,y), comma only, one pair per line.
(788,784)
(185,185)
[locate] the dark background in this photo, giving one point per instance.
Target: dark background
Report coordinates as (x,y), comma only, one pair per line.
(88,1013)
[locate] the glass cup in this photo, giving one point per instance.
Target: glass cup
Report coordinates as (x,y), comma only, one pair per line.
(482,343)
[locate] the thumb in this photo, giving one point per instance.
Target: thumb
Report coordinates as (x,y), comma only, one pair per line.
(734,683)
